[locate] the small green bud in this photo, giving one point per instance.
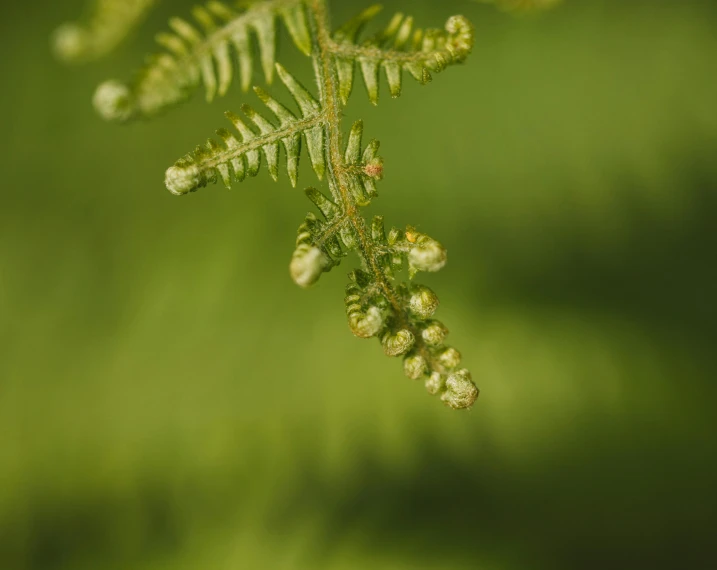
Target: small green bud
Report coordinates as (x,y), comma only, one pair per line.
(450,358)
(368,324)
(435,383)
(423,302)
(113,101)
(398,344)
(434,334)
(460,392)
(307,264)
(181,180)
(415,366)
(427,255)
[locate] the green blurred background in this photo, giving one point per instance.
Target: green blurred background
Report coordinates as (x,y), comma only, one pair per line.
(169,398)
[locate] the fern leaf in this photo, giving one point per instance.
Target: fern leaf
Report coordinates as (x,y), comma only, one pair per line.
(201,53)
(239,156)
(397,48)
(110,23)
(399,315)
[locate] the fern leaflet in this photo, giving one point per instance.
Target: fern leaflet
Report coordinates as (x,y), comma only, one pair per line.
(195,57)
(396,48)
(238,157)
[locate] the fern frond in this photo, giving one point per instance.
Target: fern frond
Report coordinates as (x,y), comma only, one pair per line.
(400,317)
(397,48)
(202,54)
(399,314)
(109,23)
(240,154)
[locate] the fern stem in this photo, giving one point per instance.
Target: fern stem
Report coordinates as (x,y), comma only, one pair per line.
(326,79)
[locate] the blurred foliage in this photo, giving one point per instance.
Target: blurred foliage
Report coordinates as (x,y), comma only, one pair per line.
(523,5)
(158,409)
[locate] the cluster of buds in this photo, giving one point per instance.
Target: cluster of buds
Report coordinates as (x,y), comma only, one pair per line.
(413,334)
(438,366)
(404,324)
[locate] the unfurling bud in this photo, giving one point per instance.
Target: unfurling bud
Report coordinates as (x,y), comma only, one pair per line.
(113,101)
(427,255)
(307,264)
(450,358)
(460,392)
(398,344)
(181,180)
(435,383)
(423,302)
(366,324)
(434,334)
(415,366)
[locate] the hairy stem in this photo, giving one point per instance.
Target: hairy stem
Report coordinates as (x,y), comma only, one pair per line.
(326,79)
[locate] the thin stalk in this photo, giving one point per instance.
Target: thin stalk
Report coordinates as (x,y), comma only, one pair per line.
(327,82)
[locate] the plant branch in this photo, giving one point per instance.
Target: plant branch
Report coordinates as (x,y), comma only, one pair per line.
(326,78)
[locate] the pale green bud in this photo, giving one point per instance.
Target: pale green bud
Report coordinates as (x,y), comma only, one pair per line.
(460,392)
(398,344)
(427,255)
(435,383)
(307,264)
(434,334)
(368,324)
(423,302)
(450,358)
(181,180)
(113,101)
(415,366)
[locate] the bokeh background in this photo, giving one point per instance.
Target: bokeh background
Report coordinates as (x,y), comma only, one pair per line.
(170,400)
